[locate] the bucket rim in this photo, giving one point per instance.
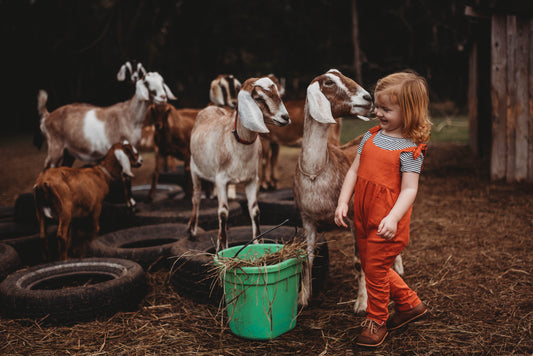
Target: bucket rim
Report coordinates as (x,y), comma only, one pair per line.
(264,269)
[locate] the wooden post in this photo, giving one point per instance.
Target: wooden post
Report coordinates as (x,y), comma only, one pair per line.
(511,97)
(498,97)
(473,93)
(521,81)
(530,81)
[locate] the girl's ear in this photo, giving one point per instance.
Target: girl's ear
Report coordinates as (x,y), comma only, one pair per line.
(319,106)
(249,113)
(124,161)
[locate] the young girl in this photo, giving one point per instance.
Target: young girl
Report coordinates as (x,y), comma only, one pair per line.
(384,177)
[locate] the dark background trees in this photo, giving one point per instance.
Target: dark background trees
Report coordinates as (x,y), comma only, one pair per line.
(73,49)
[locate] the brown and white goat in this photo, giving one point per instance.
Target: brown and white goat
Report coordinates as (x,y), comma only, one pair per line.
(172,136)
(223,91)
(225,149)
(65,193)
(290,136)
(322,166)
(134,69)
(86,132)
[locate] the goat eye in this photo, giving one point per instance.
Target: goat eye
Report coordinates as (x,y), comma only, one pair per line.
(329,83)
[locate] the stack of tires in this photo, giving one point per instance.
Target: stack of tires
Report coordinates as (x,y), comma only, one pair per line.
(152,237)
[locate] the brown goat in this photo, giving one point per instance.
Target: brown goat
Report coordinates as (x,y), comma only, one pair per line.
(65,193)
(172,136)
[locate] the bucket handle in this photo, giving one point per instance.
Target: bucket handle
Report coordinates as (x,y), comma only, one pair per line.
(261,235)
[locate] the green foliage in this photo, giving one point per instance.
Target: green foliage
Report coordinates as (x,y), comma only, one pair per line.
(444,129)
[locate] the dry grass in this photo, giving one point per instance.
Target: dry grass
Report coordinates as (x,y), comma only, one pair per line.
(469,259)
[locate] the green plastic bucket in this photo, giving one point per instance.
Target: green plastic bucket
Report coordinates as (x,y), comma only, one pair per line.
(261,302)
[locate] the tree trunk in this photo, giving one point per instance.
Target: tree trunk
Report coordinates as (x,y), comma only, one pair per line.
(355,39)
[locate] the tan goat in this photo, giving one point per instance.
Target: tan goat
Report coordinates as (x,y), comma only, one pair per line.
(289,136)
(65,193)
(322,166)
(225,149)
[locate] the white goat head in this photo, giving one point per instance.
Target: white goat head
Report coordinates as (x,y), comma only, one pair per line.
(259,102)
(127,156)
(135,70)
(152,88)
(224,89)
(333,95)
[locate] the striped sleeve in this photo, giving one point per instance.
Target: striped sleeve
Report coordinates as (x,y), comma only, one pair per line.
(409,164)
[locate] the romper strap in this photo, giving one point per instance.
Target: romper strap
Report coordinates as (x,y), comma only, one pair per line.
(375,129)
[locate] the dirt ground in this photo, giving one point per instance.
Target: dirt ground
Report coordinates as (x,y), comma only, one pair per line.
(469,259)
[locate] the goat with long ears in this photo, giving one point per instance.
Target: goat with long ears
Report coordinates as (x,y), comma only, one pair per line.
(225,149)
(321,167)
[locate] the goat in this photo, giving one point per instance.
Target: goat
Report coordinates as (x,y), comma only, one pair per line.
(135,70)
(225,149)
(223,91)
(86,132)
(322,166)
(66,193)
(172,135)
(290,136)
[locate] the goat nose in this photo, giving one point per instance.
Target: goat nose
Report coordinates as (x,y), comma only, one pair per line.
(367,97)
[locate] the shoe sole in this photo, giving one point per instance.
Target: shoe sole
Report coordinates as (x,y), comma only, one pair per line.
(374,345)
(410,320)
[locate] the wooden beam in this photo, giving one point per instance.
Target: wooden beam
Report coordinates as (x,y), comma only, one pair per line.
(473,103)
(498,97)
(530,99)
(521,80)
(511,97)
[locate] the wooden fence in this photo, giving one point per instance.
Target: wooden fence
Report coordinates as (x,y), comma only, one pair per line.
(511,94)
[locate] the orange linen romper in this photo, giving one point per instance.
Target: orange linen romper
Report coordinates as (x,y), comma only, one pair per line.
(377,188)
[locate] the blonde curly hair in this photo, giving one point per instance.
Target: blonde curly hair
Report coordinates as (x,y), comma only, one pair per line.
(410,91)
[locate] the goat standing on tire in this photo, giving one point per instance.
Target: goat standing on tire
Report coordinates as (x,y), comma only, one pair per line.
(65,193)
(225,149)
(322,167)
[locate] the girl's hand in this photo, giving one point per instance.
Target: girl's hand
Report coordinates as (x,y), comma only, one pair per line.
(340,214)
(387,227)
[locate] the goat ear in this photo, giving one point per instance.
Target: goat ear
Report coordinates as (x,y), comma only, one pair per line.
(249,113)
(215,95)
(141,91)
(170,96)
(319,106)
(121,75)
(124,162)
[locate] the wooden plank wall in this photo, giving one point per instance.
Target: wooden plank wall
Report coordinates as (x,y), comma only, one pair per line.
(512,98)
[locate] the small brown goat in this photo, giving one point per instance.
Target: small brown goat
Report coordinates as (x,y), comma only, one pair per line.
(65,193)
(172,136)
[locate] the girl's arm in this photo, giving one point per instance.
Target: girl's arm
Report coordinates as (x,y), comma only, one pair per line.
(346,192)
(389,225)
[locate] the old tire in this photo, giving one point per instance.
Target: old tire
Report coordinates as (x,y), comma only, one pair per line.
(278,205)
(192,269)
(149,245)
(9,260)
(74,290)
(178,210)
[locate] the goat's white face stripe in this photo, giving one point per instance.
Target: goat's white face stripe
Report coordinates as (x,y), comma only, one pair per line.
(356,99)
(124,162)
(95,132)
(264,83)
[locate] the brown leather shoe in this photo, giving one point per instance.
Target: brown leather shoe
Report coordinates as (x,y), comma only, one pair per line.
(373,334)
(401,318)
